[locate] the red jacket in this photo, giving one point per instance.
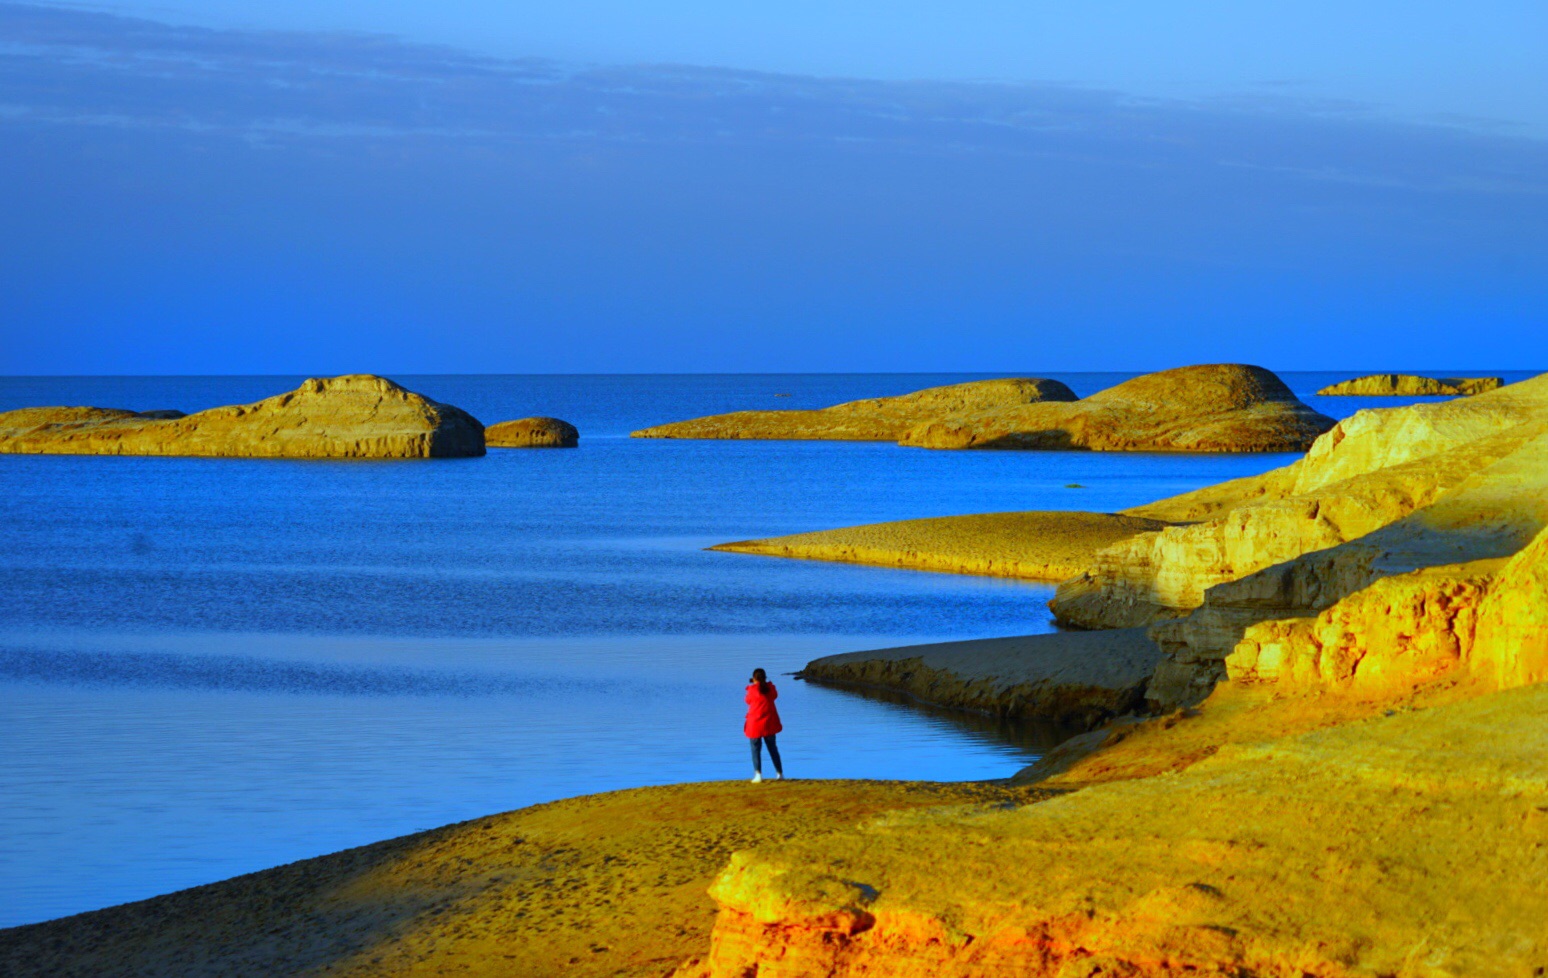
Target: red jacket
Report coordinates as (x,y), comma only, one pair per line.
(762,718)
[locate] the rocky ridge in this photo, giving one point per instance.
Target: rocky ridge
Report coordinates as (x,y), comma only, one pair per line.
(1410,385)
(872,419)
(354,416)
(1207,408)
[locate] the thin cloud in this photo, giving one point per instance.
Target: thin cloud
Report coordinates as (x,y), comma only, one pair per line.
(70,67)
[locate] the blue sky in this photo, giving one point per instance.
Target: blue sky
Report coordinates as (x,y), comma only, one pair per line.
(471,187)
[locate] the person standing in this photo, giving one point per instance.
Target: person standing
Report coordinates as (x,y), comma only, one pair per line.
(762,723)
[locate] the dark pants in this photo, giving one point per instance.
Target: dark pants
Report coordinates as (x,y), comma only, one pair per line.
(757,753)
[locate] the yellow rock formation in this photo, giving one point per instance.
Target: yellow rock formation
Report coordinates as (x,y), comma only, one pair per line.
(873,419)
(1076,680)
(1477,466)
(1406,844)
(1208,408)
(532,433)
(1042,546)
(1392,385)
(1488,516)
(356,416)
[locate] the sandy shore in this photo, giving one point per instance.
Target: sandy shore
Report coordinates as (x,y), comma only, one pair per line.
(612,884)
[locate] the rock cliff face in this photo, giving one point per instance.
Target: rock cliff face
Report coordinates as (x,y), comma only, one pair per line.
(1486,617)
(532,433)
(355,416)
(1370,470)
(1210,408)
(873,419)
(1385,493)
(1076,680)
(1036,545)
(1409,385)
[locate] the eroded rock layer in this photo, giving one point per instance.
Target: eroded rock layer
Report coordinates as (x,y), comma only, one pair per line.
(873,419)
(1410,385)
(355,416)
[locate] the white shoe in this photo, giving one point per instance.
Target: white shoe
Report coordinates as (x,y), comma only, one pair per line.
(757,776)
(779,775)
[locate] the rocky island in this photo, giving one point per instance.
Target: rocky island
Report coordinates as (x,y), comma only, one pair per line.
(1207,408)
(532,433)
(873,419)
(354,416)
(1411,385)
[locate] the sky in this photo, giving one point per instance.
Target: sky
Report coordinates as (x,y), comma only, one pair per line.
(599,186)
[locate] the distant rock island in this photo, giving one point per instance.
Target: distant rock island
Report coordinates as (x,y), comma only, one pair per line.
(354,416)
(532,433)
(1207,408)
(1411,385)
(874,419)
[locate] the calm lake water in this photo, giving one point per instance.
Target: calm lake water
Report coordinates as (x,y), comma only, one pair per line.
(211,666)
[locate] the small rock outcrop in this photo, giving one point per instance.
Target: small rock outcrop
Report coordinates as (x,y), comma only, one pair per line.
(1034,545)
(873,419)
(354,416)
(1209,408)
(532,433)
(1076,680)
(1411,385)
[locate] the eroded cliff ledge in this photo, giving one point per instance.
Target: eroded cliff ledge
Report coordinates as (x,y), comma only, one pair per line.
(354,416)
(873,419)
(1076,680)
(1034,545)
(1411,385)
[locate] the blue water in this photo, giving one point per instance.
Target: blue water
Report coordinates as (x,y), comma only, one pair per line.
(210,666)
